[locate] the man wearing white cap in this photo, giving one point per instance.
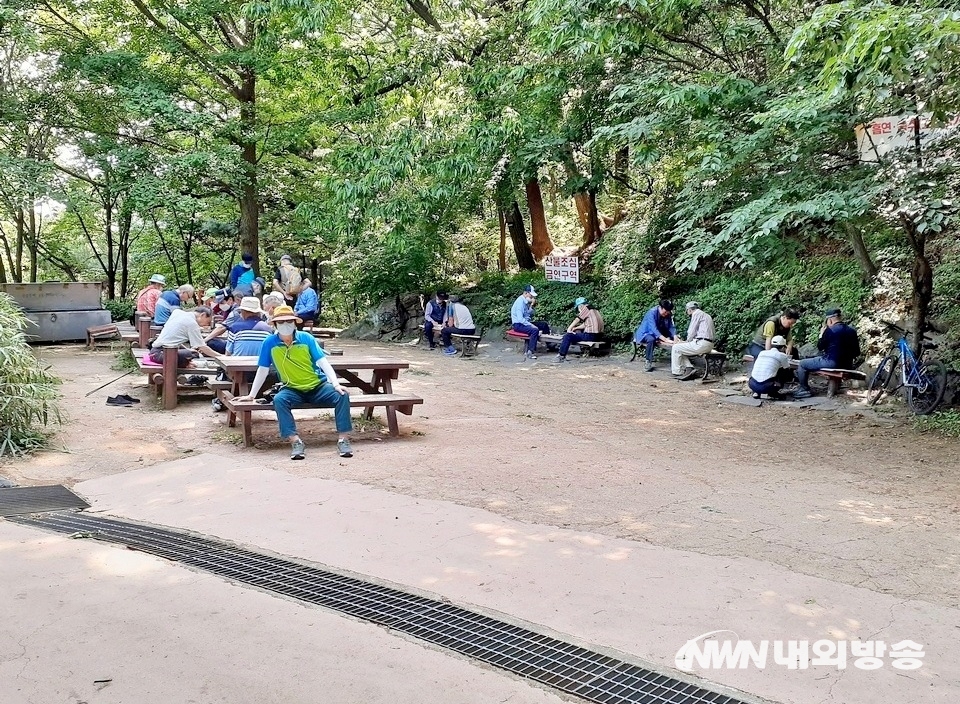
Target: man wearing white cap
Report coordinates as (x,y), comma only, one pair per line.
(521,314)
(766,367)
(700,335)
(147,298)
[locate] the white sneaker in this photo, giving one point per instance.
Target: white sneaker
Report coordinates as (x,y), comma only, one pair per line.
(529,355)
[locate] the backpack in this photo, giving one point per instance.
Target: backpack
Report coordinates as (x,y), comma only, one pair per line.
(290,279)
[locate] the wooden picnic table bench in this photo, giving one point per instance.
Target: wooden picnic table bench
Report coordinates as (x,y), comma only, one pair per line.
(165,378)
(403,403)
(835,377)
(324,332)
(383,371)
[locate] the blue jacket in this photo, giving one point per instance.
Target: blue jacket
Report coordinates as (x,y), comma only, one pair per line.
(655,325)
(307,302)
(240,274)
(840,344)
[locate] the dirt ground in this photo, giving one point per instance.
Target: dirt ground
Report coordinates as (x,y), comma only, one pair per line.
(595,445)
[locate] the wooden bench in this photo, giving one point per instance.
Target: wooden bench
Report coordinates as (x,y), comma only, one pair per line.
(164,378)
(102,332)
(836,376)
(468,343)
(594,348)
(403,403)
(324,332)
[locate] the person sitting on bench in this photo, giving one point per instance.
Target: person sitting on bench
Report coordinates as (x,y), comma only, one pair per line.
(657,330)
(170,301)
(183,328)
(434,314)
(147,298)
(308,305)
(587,326)
(838,345)
(764,379)
(521,317)
(459,322)
(308,378)
(700,336)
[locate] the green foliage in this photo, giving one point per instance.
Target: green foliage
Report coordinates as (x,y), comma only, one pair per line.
(28,392)
(120,308)
(943,422)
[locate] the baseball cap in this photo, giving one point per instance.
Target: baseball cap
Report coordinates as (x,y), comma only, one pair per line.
(442,295)
(831,313)
(692,304)
(158,279)
(250,304)
(211,293)
(287,257)
(247,258)
(579,302)
(778,341)
(530,289)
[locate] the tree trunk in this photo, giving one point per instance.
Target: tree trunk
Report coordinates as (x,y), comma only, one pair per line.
(860,250)
(621,182)
(591,231)
(126,222)
(518,235)
(111,261)
(922,278)
(502,260)
(32,239)
(541,245)
(249,201)
(18,260)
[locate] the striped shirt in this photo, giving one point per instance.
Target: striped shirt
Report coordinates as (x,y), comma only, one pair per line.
(247,343)
(592,321)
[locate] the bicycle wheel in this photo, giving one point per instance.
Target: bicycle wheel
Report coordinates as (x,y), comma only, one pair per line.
(882,379)
(925,398)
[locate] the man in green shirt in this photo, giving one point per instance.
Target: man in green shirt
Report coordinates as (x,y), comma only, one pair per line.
(308,378)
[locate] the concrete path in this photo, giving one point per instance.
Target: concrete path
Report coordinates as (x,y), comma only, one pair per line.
(86,611)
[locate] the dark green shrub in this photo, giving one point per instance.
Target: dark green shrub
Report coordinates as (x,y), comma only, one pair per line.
(120,308)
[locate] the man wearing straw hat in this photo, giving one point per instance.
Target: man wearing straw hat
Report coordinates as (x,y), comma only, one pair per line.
(308,378)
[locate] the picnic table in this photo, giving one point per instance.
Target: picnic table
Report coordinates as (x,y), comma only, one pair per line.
(378,391)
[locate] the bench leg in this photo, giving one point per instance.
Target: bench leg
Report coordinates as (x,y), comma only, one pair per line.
(833,385)
(392,421)
(246,419)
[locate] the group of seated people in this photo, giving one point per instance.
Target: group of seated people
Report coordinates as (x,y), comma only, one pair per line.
(451,316)
(269,331)
(772,347)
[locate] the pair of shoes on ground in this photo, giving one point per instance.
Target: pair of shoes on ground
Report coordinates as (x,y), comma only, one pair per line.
(450,351)
(802,393)
(298,449)
(122,400)
(691,373)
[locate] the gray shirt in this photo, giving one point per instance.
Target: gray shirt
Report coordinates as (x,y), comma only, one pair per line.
(701,327)
(182,329)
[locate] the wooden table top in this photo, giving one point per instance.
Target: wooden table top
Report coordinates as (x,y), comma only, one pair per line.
(249,364)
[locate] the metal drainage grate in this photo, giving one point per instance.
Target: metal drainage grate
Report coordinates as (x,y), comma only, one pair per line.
(17,501)
(549,661)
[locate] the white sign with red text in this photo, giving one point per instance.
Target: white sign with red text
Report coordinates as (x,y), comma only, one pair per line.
(565,269)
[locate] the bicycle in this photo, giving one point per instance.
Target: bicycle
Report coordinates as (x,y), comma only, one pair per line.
(925,379)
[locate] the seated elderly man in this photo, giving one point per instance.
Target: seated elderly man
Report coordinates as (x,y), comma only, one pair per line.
(657,330)
(764,379)
(308,378)
(183,330)
(700,337)
(459,322)
(146,299)
(838,345)
(587,326)
(170,301)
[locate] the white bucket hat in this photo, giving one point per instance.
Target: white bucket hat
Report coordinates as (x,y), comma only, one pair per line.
(250,304)
(158,279)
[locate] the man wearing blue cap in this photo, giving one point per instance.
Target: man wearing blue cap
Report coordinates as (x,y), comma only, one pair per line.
(243,272)
(521,317)
(587,326)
